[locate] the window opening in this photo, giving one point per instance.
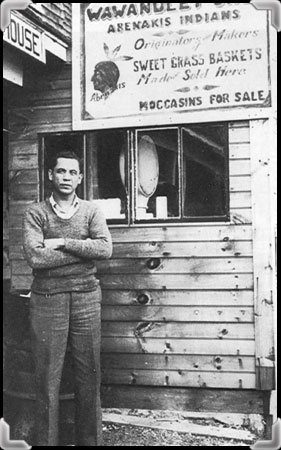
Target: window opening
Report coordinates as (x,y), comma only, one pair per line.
(204,171)
(157,174)
(107,171)
(173,174)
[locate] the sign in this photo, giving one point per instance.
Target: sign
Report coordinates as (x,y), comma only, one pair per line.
(141,62)
(24,36)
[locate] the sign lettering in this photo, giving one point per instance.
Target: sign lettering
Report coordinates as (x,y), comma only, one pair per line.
(145,59)
(25,37)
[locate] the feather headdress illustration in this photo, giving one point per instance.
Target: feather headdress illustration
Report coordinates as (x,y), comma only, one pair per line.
(106,73)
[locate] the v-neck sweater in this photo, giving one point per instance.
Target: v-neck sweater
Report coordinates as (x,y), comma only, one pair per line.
(86,238)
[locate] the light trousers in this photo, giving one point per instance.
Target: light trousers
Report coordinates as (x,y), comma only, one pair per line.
(55,319)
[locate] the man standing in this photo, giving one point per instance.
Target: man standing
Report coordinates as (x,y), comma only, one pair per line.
(63,237)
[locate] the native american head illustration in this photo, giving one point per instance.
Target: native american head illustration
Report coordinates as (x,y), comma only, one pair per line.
(106,73)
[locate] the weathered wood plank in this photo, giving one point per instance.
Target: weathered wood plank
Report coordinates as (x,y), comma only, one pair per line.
(230,401)
(197,281)
(226,249)
(176,265)
(17,207)
(171,424)
(6,259)
(23,161)
(239,134)
(195,379)
(37,115)
(20,282)
(241,215)
(239,124)
(168,346)
(187,249)
(180,298)
(178,313)
(188,233)
(49,95)
(239,167)
(152,362)
(20,267)
(239,151)
(16,223)
(223,330)
(240,184)
(180,265)
(17,148)
(262,136)
(30,131)
(240,200)
(24,176)
(180,378)
(178,362)
(24,191)
(15,251)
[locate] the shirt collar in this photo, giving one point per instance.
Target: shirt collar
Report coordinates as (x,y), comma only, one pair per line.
(61,212)
(75,201)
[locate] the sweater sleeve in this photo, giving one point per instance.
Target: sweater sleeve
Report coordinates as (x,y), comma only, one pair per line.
(99,243)
(38,256)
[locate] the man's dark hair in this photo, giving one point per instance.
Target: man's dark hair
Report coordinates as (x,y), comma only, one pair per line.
(69,154)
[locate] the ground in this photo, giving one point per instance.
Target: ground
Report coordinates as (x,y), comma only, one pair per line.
(115,434)
(212,429)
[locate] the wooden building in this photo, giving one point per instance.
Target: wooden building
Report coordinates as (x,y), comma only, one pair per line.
(188,295)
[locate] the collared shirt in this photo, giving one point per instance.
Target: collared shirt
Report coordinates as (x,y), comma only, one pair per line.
(60,212)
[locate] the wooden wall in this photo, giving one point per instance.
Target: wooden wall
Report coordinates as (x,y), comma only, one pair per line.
(196,328)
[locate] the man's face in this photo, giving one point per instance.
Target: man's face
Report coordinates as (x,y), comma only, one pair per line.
(65,176)
(98,81)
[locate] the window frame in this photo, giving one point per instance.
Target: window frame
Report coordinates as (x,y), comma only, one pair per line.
(131,174)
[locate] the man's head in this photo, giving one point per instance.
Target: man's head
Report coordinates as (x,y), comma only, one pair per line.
(106,76)
(65,173)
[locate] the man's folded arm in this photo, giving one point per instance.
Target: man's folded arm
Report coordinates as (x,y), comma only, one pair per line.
(98,245)
(37,255)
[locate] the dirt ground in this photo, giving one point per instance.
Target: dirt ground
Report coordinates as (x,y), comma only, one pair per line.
(127,435)
(130,436)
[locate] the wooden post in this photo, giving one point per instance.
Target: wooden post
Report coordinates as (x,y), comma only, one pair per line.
(92,167)
(263,251)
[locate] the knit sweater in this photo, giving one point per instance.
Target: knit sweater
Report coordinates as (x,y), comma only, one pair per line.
(86,238)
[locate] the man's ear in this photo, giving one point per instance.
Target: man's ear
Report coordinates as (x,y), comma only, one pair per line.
(50,174)
(80,178)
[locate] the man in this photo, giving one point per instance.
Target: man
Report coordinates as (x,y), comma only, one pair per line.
(63,237)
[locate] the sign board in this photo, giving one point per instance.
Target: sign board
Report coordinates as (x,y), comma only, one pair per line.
(151,63)
(26,37)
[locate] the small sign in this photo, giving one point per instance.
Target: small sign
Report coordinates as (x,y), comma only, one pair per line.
(24,36)
(143,61)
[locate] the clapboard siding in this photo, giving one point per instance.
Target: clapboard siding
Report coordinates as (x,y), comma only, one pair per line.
(55,17)
(222,330)
(176,265)
(196,327)
(179,313)
(240,183)
(155,378)
(172,265)
(190,232)
(201,284)
(180,298)
(179,378)
(178,346)
(177,362)
(186,249)
(175,281)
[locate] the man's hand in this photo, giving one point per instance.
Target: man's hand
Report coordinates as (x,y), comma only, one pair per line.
(54,244)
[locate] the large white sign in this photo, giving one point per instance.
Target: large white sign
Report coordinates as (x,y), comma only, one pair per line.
(135,63)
